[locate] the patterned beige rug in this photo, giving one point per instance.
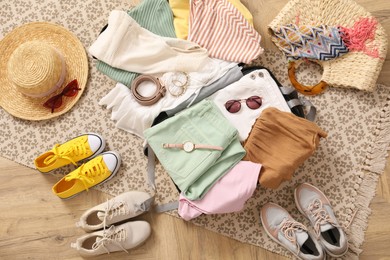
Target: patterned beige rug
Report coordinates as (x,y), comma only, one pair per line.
(346,166)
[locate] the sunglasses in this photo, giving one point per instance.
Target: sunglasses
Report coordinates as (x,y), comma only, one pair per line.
(70,90)
(233,106)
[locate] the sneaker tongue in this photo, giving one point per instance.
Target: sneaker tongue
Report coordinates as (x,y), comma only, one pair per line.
(302,236)
(101,215)
(98,239)
(326,227)
(98,245)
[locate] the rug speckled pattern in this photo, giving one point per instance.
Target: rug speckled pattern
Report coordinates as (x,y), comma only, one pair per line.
(346,166)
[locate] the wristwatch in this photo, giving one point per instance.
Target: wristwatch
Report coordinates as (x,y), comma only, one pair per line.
(189,146)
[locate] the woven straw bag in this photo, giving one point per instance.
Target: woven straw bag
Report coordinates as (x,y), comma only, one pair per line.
(352,70)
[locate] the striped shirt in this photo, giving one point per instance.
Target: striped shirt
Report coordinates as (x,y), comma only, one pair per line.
(220,28)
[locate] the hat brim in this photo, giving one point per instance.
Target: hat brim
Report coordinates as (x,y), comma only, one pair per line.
(74,54)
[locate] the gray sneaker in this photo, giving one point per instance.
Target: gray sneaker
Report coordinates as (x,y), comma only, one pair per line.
(287,232)
(116,238)
(312,203)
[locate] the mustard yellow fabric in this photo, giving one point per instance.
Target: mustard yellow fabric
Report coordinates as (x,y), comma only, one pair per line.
(281,142)
(243,10)
(181,14)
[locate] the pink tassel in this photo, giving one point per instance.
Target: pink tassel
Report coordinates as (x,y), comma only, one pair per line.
(298,18)
(357,37)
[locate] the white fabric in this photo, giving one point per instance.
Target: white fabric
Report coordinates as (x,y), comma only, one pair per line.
(124,44)
(135,118)
(250,85)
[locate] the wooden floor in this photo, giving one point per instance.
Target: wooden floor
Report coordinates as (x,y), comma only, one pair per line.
(34,224)
(37,225)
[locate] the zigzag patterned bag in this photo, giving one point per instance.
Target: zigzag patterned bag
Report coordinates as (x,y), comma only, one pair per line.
(310,42)
(341,36)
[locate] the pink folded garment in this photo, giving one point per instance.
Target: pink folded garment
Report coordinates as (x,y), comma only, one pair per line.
(227,195)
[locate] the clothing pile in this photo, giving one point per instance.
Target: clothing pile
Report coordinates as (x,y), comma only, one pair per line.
(218,129)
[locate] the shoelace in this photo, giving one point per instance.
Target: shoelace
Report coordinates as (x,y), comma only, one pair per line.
(111,235)
(94,168)
(320,215)
(75,150)
(289,228)
(116,208)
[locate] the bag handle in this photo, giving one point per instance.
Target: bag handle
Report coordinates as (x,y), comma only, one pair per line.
(305,90)
(151,167)
(300,101)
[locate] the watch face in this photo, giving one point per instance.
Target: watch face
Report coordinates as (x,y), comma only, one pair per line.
(188,147)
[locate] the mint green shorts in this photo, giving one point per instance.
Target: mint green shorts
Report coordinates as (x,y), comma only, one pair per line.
(197,171)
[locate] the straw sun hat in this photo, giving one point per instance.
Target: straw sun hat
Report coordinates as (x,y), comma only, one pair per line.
(37,61)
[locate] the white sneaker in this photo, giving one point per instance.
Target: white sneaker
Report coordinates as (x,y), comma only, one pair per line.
(113,239)
(287,232)
(312,203)
(124,206)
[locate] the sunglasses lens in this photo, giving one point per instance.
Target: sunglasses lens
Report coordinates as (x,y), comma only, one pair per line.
(233,106)
(56,101)
(71,89)
(53,103)
(254,102)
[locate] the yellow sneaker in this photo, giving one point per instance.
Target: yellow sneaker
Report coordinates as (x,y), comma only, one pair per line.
(98,170)
(82,147)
